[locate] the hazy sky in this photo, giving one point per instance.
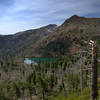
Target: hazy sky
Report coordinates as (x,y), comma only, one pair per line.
(19,15)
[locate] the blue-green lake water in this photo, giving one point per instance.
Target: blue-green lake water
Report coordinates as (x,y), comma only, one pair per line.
(43,59)
(35,61)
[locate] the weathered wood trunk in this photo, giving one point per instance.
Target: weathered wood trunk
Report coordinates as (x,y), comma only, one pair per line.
(94,75)
(63,86)
(43,95)
(31,98)
(81,85)
(23,94)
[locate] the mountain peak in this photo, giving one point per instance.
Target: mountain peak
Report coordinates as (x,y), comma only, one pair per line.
(74,18)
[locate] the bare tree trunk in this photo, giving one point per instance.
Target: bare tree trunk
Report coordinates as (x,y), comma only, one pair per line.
(81,86)
(31,97)
(43,96)
(23,94)
(94,75)
(63,85)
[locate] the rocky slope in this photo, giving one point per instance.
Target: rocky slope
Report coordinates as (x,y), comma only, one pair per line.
(14,45)
(70,37)
(51,40)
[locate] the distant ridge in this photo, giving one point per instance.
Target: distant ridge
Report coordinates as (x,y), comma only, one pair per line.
(52,40)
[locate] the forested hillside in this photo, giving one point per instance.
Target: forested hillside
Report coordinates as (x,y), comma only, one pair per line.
(52,40)
(15,45)
(56,80)
(66,78)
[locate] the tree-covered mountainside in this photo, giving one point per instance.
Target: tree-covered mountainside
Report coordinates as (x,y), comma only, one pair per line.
(70,36)
(14,45)
(52,40)
(56,80)
(66,78)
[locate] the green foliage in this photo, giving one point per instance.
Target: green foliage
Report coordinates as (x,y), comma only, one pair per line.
(59,46)
(73,82)
(75,30)
(45,81)
(81,30)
